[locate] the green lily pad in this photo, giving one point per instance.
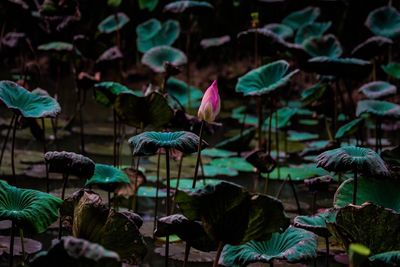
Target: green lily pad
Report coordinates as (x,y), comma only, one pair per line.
(107,177)
(301,136)
(349,128)
(281,30)
(314,223)
(70,251)
(186,184)
(315,29)
(152,33)
(27,104)
(105,93)
(313,93)
(343,67)
(213,171)
(215,42)
(380,192)
(302,17)
(56,46)
(378,89)
(323,46)
(392,69)
(266,79)
(181,91)
(371,48)
(149,4)
(113,23)
(148,143)
(293,245)
(29,209)
(354,158)
(217,153)
(235,163)
(296,172)
(285,114)
(378,108)
(390,258)
(151,192)
(384,21)
(151,110)
(156,57)
(187,6)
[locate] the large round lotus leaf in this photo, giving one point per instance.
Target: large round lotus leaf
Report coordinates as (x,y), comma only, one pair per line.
(281,30)
(215,42)
(372,47)
(27,104)
(217,153)
(373,226)
(180,90)
(29,209)
(346,67)
(386,259)
(152,33)
(293,245)
(148,143)
(384,21)
(349,128)
(378,108)
(354,158)
(70,163)
(213,171)
(139,112)
(313,93)
(296,172)
(187,6)
(156,57)
(315,29)
(392,69)
(314,223)
(378,89)
(192,232)
(380,192)
(149,4)
(113,23)
(302,17)
(151,192)
(186,184)
(323,46)
(238,142)
(105,93)
(232,215)
(235,163)
(285,114)
(56,46)
(107,177)
(266,79)
(71,251)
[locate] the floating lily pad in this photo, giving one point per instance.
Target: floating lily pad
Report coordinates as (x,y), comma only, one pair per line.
(323,46)
(343,67)
(384,21)
(378,108)
(113,23)
(349,128)
(378,89)
(187,6)
(235,163)
(217,153)
(302,17)
(315,29)
(215,42)
(296,172)
(372,47)
(213,171)
(392,69)
(156,57)
(281,30)
(149,4)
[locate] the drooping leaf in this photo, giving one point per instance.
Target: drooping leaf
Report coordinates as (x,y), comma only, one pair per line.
(30,209)
(149,4)
(349,128)
(372,47)
(266,79)
(182,6)
(315,29)
(293,245)
(323,46)
(378,89)
(392,69)
(379,108)
(27,104)
(156,57)
(281,30)
(113,23)
(384,21)
(105,93)
(342,67)
(302,17)
(315,223)
(70,163)
(107,177)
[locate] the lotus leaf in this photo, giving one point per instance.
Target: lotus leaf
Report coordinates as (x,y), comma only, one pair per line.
(105,93)
(378,89)
(378,108)
(107,177)
(113,23)
(384,21)
(319,46)
(299,18)
(315,29)
(187,6)
(70,163)
(392,69)
(281,30)
(349,128)
(156,57)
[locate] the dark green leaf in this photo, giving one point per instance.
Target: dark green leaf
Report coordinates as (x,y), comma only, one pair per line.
(349,128)
(156,57)
(315,29)
(152,33)
(113,23)
(302,17)
(70,163)
(107,177)
(320,46)
(378,108)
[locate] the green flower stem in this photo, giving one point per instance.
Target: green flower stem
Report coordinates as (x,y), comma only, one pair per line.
(44,152)
(277,145)
(115,138)
(6,139)
(270,132)
(167,203)
(177,182)
(157,189)
(136,206)
(260,121)
(13,148)
(196,170)
(355,188)
(294,194)
(327,251)
(266,184)
(21,235)
(220,247)
(11,260)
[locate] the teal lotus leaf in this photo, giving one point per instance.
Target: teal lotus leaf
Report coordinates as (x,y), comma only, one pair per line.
(386,259)
(315,29)
(180,91)
(313,93)
(281,30)
(266,79)
(372,47)
(107,177)
(342,67)
(186,184)
(113,23)
(27,104)
(235,163)
(323,46)
(30,209)
(301,136)
(105,93)
(375,227)
(378,108)
(230,214)
(302,17)
(148,4)
(71,251)
(296,172)
(187,6)
(315,223)
(392,69)
(284,114)
(380,192)
(378,89)
(349,128)
(384,21)
(217,153)
(152,33)
(215,171)
(151,192)
(156,57)
(57,47)
(293,245)
(238,142)
(148,143)
(143,111)
(346,158)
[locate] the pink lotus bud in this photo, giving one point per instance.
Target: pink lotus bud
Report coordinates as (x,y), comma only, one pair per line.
(210,104)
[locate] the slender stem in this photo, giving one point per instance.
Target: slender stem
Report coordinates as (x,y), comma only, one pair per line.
(266,184)
(196,170)
(21,235)
(6,139)
(136,206)
(115,137)
(11,260)
(256,49)
(109,199)
(355,188)
(220,247)
(187,252)
(177,182)
(294,194)
(259,124)
(65,178)
(157,191)
(270,132)
(327,251)
(13,148)
(167,203)
(44,152)
(277,144)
